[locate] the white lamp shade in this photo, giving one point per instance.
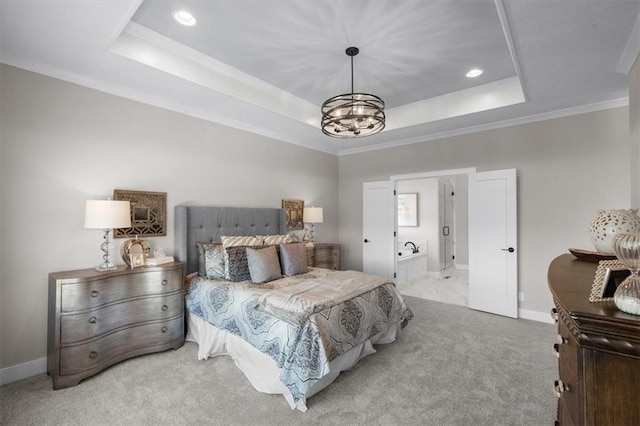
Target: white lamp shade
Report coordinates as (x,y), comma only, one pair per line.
(107,214)
(312,215)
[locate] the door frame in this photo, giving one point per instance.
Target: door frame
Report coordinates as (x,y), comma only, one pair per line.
(420,175)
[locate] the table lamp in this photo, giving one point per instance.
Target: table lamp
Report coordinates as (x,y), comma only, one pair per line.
(107,214)
(311,215)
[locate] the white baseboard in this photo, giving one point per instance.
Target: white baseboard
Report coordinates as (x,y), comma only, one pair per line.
(22,371)
(535,316)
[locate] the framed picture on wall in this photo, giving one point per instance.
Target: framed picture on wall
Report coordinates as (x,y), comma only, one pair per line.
(294,210)
(408,209)
(148,213)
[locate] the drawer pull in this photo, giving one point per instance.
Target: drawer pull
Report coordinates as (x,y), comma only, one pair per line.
(559,388)
(94,293)
(93,320)
(164,282)
(93,354)
(164,307)
(561,340)
(164,329)
(554,314)
(556,350)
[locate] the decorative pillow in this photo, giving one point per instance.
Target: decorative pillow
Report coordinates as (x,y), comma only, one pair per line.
(293,259)
(214,262)
(202,262)
(240,240)
(269,240)
(264,265)
(236,265)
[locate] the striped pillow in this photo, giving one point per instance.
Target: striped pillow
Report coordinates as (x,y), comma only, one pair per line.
(240,240)
(272,240)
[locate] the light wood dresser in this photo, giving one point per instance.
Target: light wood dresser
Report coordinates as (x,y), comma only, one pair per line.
(598,350)
(324,255)
(97,319)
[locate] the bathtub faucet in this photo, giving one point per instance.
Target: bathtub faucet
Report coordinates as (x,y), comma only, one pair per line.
(415,249)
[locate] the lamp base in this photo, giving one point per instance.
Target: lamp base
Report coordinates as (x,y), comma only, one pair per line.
(104,267)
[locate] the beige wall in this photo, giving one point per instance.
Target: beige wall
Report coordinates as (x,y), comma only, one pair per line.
(634,130)
(63,144)
(567,168)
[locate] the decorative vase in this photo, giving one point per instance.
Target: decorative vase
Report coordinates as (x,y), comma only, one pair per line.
(135,245)
(627,295)
(609,223)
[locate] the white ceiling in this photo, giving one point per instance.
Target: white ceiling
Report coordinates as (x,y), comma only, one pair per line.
(266,67)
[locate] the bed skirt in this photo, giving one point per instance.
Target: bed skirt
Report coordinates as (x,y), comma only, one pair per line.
(260,369)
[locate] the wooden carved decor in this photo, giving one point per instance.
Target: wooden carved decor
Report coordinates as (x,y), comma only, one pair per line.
(148,213)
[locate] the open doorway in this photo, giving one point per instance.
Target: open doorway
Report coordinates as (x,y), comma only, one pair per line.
(432,261)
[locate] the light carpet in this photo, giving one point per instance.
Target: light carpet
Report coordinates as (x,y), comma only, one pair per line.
(449,366)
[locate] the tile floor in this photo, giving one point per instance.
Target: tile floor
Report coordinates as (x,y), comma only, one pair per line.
(452,288)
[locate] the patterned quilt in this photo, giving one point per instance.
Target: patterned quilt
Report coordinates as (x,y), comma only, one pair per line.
(302,350)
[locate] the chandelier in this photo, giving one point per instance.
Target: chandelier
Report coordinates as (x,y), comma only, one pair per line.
(352,115)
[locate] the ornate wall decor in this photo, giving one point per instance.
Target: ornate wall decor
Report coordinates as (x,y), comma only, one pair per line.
(294,210)
(148,213)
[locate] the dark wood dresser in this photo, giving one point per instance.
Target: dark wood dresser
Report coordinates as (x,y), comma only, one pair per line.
(97,319)
(598,350)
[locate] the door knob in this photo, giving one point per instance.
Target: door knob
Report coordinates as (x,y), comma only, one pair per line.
(510,249)
(366,241)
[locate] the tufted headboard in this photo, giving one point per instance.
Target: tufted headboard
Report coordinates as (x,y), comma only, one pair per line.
(207,224)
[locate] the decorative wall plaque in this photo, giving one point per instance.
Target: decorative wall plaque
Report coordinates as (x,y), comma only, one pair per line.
(148,213)
(295,211)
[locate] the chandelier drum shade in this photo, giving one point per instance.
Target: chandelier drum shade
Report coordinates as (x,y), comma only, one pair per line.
(352,115)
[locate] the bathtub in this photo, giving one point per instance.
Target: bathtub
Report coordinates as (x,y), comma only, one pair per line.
(411,266)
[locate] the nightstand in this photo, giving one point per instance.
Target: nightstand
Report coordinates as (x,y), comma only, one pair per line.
(324,255)
(97,319)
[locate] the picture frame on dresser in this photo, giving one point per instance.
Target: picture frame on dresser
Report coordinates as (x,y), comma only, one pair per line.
(609,275)
(136,260)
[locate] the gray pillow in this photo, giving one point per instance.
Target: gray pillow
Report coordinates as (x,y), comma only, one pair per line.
(293,259)
(264,265)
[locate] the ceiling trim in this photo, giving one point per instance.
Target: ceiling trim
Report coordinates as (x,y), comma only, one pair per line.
(631,51)
(508,36)
(486,97)
(145,46)
(616,103)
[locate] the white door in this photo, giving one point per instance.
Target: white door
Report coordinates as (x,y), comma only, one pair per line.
(378,225)
(493,256)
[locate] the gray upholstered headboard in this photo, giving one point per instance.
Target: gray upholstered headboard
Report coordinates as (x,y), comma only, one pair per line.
(207,224)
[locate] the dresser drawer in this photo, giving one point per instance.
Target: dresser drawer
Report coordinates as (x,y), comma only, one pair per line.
(86,295)
(79,358)
(571,395)
(89,324)
(568,348)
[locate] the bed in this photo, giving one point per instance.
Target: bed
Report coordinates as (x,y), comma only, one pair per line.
(289,335)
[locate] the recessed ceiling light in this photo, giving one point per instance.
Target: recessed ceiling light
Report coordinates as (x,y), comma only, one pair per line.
(184,18)
(474,73)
